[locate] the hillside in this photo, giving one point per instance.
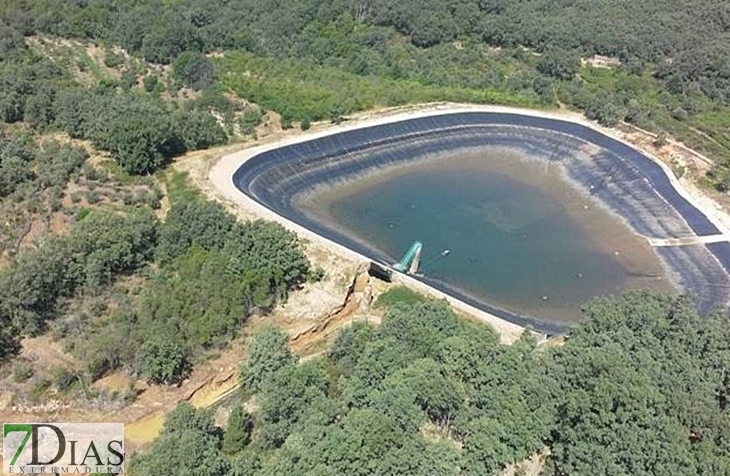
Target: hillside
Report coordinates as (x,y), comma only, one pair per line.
(125,288)
(667,66)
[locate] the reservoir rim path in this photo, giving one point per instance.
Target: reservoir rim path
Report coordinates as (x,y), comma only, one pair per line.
(707,228)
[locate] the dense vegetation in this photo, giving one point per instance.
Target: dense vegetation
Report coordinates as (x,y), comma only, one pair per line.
(640,388)
(211,273)
(83,254)
(131,121)
(321,60)
(139,130)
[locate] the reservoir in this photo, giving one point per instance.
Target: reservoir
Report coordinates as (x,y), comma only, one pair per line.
(539,214)
(520,236)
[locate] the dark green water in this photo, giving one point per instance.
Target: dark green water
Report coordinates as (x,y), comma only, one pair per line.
(512,244)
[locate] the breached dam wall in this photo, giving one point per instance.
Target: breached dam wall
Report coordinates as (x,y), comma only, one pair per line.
(626,181)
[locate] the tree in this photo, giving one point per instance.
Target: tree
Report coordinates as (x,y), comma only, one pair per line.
(401,405)
(196,221)
(199,129)
(379,359)
(640,376)
(107,244)
(238,431)
(151,83)
(641,384)
(250,118)
(194,70)
(680,114)
(245,463)
(187,446)
(438,396)
(484,452)
(432,27)
(11,108)
(464,354)
(9,342)
(290,396)
(140,130)
(198,297)
(559,64)
(605,110)
(13,172)
(142,144)
(31,287)
(11,41)
(350,345)
(170,40)
(97,249)
(70,111)
(186,417)
(163,360)
(268,257)
(420,329)
(268,351)
(420,458)
(39,109)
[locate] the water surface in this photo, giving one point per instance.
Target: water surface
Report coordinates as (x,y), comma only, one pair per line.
(520,236)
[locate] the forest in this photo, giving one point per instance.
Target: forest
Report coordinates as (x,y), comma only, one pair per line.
(311,61)
(640,388)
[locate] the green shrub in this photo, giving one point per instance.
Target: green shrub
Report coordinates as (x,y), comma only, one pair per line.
(113,59)
(163,360)
(22,371)
(398,295)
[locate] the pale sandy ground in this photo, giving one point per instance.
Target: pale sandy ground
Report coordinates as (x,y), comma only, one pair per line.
(220,182)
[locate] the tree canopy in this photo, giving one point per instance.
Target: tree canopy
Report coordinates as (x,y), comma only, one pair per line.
(268,351)
(640,387)
(322,60)
(211,273)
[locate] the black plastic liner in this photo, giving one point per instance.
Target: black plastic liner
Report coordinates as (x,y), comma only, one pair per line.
(628,182)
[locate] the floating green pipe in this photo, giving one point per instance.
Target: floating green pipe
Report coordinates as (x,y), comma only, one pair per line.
(412,258)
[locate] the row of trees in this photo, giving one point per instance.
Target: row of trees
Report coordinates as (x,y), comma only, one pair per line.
(54,165)
(300,90)
(139,130)
(639,388)
(215,274)
(100,246)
